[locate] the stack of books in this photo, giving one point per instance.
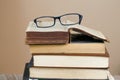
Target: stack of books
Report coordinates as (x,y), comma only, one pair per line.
(66,53)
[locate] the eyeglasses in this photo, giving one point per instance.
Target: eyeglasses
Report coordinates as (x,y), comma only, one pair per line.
(49,21)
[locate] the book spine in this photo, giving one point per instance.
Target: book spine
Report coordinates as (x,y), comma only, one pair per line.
(74,54)
(47,34)
(47,41)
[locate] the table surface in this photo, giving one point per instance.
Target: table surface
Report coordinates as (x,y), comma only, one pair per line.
(19,77)
(117,77)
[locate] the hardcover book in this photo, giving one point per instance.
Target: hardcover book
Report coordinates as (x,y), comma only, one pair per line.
(33,73)
(72,61)
(26,75)
(73,48)
(58,34)
(69,74)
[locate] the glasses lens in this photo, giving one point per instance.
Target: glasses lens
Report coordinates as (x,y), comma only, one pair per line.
(45,22)
(69,19)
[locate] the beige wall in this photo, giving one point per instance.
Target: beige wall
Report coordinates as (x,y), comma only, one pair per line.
(103,15)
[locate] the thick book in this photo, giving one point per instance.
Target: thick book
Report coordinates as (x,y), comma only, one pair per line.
(58,34)
(26,75)
(72,61)
(72,48)
(69,74)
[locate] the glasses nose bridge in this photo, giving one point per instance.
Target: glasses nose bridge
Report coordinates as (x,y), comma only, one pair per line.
(57,18)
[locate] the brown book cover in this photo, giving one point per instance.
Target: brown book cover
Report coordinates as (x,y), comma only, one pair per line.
(47,37)
(58,34)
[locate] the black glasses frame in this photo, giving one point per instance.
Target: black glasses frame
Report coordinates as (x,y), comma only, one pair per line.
(59,18)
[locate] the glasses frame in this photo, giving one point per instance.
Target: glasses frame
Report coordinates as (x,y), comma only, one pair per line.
(59,18)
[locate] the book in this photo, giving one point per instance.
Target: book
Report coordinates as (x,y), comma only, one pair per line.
(58,34)
(72,48)
(72,61)
(67,73)
(26,75)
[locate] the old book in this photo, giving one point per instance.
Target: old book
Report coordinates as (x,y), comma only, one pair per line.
(72,61)
(69,74)
(58,34)
(34,71)
(109,77)
(72,48)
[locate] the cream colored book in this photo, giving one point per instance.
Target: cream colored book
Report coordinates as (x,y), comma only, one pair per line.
(71,61)
(73,48)
(66,73)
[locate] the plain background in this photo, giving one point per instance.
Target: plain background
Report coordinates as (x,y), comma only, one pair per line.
(102,15)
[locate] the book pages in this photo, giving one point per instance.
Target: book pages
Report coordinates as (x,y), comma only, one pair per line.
(89,31)
(33,28)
